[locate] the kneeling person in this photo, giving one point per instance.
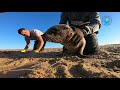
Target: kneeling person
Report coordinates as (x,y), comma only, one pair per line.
(33,35)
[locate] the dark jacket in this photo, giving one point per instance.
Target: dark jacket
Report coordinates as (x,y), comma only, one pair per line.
(88,20)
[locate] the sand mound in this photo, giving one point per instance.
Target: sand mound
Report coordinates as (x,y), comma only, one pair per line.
(51,64)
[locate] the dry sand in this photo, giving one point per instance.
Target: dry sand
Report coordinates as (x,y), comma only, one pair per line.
(51,64)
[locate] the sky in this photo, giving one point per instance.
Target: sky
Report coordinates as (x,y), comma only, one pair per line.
(10,22)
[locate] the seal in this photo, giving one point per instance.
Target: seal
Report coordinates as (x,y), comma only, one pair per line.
(70,37)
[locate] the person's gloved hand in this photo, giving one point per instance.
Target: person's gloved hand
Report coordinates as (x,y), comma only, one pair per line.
(36,51)
(23,51)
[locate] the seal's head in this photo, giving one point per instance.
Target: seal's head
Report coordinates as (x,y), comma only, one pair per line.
(57,33)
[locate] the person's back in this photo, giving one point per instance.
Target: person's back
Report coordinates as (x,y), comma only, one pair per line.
(34,34)
(88,22)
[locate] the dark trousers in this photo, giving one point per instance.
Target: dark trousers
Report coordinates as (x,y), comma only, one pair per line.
(91,44)
(37,42)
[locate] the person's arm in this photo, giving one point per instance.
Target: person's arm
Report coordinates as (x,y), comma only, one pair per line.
(95,23)
(63,18)
(27,43)
(41,43)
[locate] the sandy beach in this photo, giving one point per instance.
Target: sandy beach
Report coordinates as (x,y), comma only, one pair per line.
(51,64)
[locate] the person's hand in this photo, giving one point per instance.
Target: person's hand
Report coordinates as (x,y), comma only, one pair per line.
(23,51)
(35,51)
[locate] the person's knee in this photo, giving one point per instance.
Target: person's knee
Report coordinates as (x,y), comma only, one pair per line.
(91,44)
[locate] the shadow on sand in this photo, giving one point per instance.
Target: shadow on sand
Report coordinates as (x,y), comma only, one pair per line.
(29,54)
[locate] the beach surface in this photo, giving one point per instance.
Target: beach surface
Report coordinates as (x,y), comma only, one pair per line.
(52,64)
